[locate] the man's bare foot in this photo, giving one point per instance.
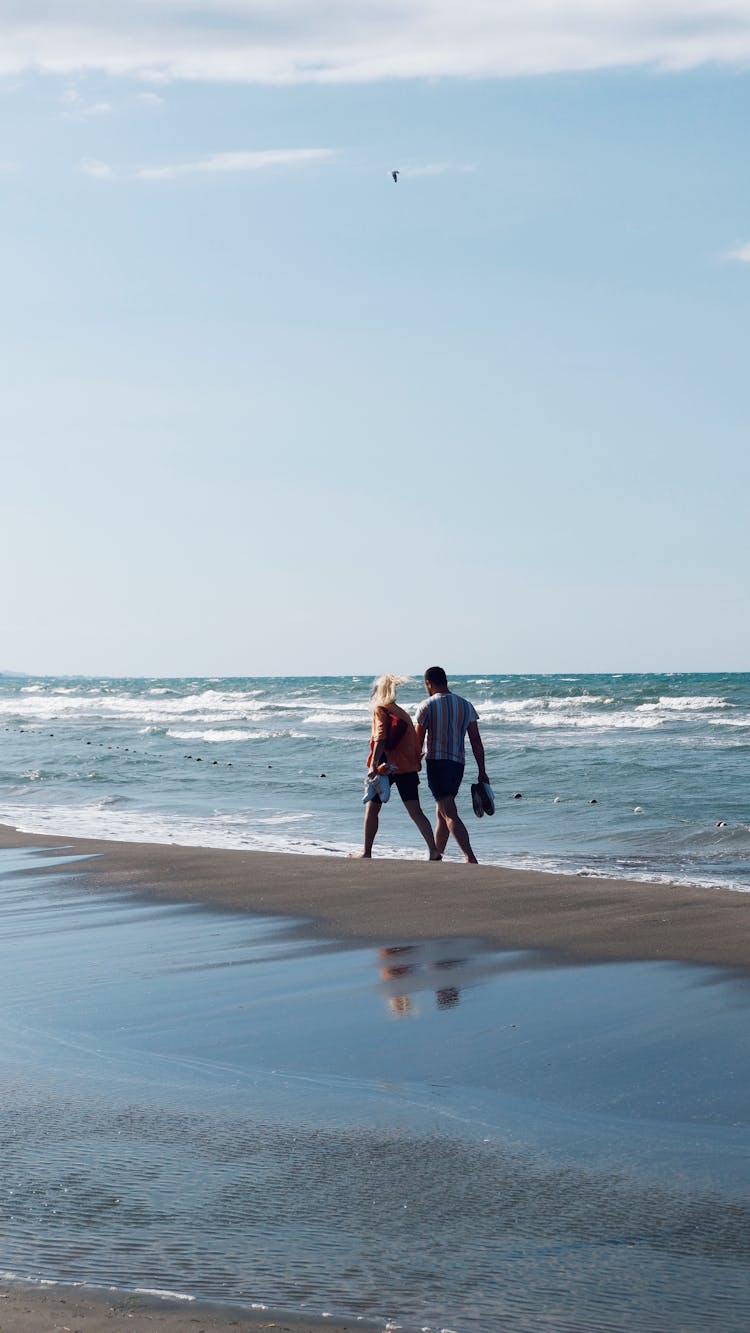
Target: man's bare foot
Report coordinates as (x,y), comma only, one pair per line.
(436,857)
(472,860)
(360,856)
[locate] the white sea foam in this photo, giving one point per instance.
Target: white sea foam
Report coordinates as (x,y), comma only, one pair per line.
(620,721)
(686,703)
(509,707)
(162,707)
(286,819)
(572,710)
(337,717)
(549,865)
(566,716)
(491,710)
(164,1293)
(41,689)
(212,712)
(215,735)
(579,700)
(116,825)
(220,831)
(307,705)
(210,706)
(152,709)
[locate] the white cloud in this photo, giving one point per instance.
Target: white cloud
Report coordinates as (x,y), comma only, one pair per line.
(91,166)
(741,253)
(228,162)
(77,108)
(356,41)
(149,99)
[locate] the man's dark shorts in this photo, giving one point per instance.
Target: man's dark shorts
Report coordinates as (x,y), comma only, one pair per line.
(444,777)
(408,785)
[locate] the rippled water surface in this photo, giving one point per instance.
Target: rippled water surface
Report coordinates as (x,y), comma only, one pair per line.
(229,1107)
(639,775)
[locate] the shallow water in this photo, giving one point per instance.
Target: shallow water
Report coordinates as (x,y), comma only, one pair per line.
(229,1107)
(636,775)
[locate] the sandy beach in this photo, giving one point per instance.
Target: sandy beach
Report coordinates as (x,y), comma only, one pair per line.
(568,919)
(67,1310)
(382,901)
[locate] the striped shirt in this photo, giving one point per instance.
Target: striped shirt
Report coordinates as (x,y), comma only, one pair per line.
(446,718)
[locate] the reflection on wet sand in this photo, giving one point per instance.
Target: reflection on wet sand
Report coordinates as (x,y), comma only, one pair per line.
(407,970)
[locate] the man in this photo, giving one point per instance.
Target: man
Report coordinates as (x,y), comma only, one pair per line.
(446,719)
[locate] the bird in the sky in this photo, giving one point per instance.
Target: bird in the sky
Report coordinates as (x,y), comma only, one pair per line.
(395,175)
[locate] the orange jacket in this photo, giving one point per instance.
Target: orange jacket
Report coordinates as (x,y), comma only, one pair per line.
(407,755)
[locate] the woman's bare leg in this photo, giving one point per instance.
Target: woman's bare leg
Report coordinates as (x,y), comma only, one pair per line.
(416,813)
(372,819)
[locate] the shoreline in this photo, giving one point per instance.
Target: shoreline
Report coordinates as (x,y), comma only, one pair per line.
(572,918)
(57,1308)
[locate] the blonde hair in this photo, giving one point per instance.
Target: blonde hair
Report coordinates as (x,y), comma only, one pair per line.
(385,689)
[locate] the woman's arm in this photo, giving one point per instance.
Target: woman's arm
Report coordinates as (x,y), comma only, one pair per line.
(378,756)
(379,733)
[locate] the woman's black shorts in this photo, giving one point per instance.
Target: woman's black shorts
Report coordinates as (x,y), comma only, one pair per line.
(408,785)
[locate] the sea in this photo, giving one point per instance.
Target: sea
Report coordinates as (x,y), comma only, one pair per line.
(641,776)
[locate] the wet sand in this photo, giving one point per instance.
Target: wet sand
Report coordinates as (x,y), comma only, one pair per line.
(383,901)
(26,1309)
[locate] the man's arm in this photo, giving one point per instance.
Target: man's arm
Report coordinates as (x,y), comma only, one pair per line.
(475,740)
(420,725)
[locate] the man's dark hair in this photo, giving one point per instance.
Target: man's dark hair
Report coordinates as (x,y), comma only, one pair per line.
(437,677)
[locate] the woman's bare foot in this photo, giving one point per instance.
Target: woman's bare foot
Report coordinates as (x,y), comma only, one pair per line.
(436,857)
(360,856)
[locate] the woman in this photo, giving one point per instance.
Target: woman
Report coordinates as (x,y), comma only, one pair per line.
(394,744)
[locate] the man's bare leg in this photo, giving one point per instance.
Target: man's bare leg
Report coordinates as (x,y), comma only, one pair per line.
(448,815)
(442,832)
(416,813)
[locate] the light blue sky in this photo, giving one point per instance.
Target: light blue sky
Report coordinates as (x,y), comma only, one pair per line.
(264,411)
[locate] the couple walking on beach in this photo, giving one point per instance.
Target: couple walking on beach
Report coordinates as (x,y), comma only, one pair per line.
(443,721)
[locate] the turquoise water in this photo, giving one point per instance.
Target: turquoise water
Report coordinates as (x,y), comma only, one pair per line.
(278,764)
(231,1109)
